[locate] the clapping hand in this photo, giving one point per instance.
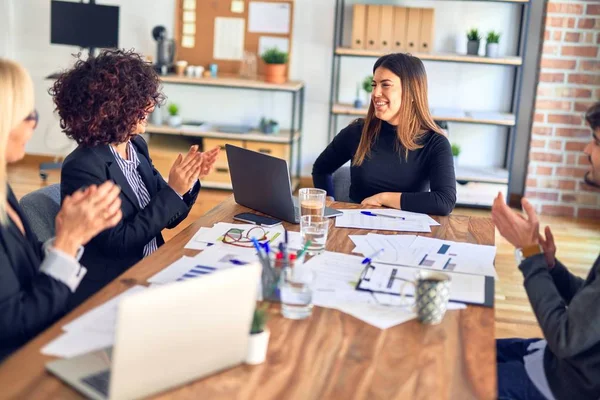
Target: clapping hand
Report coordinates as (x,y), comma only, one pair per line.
(86,213)
(208,161)
(186,171)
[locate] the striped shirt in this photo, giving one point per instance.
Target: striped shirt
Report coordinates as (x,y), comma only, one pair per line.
(129,169)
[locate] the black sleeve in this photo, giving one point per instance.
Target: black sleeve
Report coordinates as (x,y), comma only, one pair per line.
(163,210)
(566,283)
(189,198)
(442,197)
(27,310)
(569,330)
(340,151)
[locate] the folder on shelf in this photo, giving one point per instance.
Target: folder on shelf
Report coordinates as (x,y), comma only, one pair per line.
(386,27)
(426,33)
(373,19)
(399,32)
(413,27)
(359,25)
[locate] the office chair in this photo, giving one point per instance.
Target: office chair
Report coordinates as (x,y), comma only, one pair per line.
(341,184)
(40,208)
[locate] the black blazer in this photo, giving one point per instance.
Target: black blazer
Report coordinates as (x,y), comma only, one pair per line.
(113,251)
(29,300)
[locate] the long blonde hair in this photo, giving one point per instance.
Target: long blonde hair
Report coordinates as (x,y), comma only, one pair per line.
(16,103)
(415,118)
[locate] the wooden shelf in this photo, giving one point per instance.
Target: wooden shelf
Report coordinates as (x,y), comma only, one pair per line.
(449,57)
(227,186)
(482,174)
(233,82)
(254,136)
(470,117)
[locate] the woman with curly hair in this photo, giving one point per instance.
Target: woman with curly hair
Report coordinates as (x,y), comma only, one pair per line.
(103,103)
(36,280)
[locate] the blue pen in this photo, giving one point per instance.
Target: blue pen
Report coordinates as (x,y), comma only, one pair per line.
(372,214)
(237,262)
(372,256)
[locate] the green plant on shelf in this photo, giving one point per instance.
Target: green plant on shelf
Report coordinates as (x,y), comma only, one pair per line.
(474,35)
(259,321)
(275,56)
(367,84)
(455,150)
(173,109)
(493,37)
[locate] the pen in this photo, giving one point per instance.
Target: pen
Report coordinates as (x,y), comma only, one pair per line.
(237,262)
(301,252)
(372,214)
(372,256)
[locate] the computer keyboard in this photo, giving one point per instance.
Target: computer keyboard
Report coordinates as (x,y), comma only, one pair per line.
(99,381)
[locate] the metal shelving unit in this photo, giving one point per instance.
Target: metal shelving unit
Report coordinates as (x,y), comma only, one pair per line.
(479,176)
(291,136)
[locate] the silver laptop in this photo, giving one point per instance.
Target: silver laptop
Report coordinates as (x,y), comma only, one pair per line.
(262,183)
(169,336)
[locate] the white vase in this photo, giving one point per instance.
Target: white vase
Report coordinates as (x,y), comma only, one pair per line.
(257,347)
(156,116)
(175,121)
(491,50)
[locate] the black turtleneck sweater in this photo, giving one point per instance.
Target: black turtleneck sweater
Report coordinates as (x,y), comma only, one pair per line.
(387,169)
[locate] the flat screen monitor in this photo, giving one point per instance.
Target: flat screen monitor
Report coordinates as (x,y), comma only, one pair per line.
(84,24)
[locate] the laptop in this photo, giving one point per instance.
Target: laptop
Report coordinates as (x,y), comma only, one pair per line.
(170,335)
(262,183)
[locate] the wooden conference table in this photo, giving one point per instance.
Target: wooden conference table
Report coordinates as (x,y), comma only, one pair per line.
(329,355)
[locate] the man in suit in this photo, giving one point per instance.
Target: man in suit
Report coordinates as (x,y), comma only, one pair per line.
(103,103)
(566,363)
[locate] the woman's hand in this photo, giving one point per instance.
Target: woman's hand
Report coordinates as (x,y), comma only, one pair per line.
(85,214)
(208,161)
(186,171)
(375,200)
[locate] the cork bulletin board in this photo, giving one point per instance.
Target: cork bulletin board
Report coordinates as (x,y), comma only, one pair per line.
(219,31)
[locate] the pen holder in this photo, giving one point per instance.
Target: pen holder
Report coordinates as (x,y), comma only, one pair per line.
(271,276)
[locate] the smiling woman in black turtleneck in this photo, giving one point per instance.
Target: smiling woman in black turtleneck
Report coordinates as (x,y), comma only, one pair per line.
(400,157)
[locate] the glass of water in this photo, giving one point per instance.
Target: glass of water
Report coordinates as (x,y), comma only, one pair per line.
(314,228)
(296,292)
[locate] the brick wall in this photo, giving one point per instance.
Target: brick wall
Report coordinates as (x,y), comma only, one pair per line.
(569,82)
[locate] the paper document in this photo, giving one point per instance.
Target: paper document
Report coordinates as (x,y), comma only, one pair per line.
(266,17)
(229,38)
(355,219)
(269,42)
(217,233)
(75,343)
(391,279)
(102,318)
(335,270)
(92,331)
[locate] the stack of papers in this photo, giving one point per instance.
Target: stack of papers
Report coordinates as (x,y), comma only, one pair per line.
(206,237)
(94,330)
(212,259)
(379,219)
(336,276)
(428,253)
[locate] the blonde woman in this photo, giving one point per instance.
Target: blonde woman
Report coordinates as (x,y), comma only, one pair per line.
(400,157)
(36,279)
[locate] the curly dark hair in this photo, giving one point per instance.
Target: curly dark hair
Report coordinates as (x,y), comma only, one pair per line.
(592,116)
(102,99)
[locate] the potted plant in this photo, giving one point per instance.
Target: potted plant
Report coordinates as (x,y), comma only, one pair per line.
(276,61)
(269,126)
(259,337)
(357,101)
(174,117)
(474,38)
(368,87)
(455,152)
(492,45)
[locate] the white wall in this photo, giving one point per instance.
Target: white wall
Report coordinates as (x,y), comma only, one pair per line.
(472,87)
